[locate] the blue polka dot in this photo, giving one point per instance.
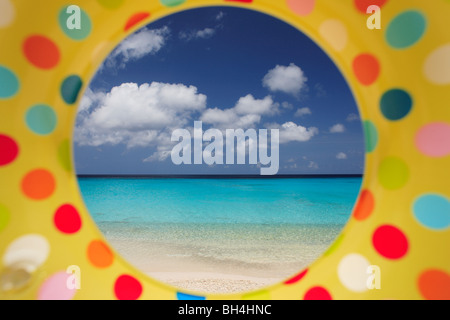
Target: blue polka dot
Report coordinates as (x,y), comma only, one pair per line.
(185,296)
(396,104)
(9,84)
(70,89)
(432,211)
(41,119)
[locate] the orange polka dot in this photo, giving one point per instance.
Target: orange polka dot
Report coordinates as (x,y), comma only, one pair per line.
(99,254)
(434,285)
(135,19)
(366,69)
(365,206)
(38,184)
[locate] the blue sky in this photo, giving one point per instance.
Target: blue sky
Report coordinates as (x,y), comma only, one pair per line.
(230,68)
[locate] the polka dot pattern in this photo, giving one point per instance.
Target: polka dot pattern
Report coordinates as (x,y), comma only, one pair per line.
(9,150)
(99,254)
(432,211)
(437,66)
(301,7)
(173,3)
(393,173)
(317,293)
(352,272)
(9,83)
(70,88)
(41,119)
(67,219)
(56,288)
(433,139)
(396,104)
(136,19)
(38,184)
(335,33)
(127,287)
(390,242)
(365,205)
(405,35)
(297,277)
(75,23)
(7,13)
(111,4)
(362,5)
(434,284)
(366,68)
(406,29)
(41,52)
(370,135)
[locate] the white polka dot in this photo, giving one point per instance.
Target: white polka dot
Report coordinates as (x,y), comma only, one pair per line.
(29,251)
(437,65)
(7,13)
(352,272)
(335,33)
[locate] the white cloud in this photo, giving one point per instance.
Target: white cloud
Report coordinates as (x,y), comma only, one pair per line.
(313,165)
(290,131)
(220,16)
(245,114)
(288,79)
(302,112)
(205,33)
(337,128)
(136,46)
(352,117)
(137,115)
(341,156)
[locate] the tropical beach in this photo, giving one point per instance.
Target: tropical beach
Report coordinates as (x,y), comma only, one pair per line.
(225,235)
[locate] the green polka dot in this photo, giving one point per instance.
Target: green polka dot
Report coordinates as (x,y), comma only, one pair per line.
(396,104)
(406,29)
(172,3)
(393,173)
(70,89)
(110,4)
(4,217)
(64,155)
(75,23)
(370,135)
(41,119)
(9,84)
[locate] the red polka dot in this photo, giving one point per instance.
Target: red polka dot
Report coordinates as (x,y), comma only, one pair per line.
(67,219)
(366,69)
(296,278)
(365,205)
(362,5)
(8,150)
(390,242)
(317,293)
(135,19)
(127,288)
(41,52)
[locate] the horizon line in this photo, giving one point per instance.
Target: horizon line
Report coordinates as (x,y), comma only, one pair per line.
(228,176)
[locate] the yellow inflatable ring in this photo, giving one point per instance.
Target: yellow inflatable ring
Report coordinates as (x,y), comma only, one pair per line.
(399,74)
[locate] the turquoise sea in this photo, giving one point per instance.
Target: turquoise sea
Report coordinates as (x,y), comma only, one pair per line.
(270,226)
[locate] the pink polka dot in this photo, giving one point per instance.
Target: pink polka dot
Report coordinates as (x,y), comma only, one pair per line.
(127,288)
(317,293)
(301,7)
(433,139)
(390,242)
(56,288)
